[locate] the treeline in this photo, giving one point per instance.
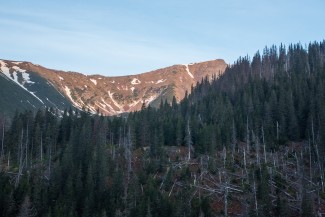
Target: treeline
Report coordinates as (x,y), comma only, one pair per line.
(79,165)
(234,130)
(279,96)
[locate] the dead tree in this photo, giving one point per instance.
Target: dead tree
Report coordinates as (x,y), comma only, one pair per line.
(41,147)
(264,149)
(27,209)
(247,136)
(20,158)
(245,164)
(26,146)
(257,149)
(2,139)
(224,156)
(255,195)
(188,139)
(318,158)
(234,139)
(128,159)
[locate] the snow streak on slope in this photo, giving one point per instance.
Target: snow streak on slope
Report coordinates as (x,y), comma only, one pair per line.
(5,71)
(27,78)
(19,69)
(135,81)
(108,105)
(160,81)
(68,92)
(134,103)
(188,71)
(115,103)
(150,99)
(94,81)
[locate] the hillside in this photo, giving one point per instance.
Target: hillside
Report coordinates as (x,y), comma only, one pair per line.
(107,95)
(26,90)
(248,143)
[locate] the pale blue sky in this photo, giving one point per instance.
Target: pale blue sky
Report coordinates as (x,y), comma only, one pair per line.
(133,36)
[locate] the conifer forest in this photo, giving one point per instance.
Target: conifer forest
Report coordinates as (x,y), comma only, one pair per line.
(250,142)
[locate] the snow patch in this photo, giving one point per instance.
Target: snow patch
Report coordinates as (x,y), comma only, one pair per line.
(115,103)
(132,89)
(94,81)
(188,71)
(102,106)
(14,78)
(17,63)
(68,93)
(85,86)
(135,81)
(19,69)
(160,81)
(134,103)
(112,82)
(108,105)
(61,78)
(92,109)
(27,78)
(5,69)
(150,99)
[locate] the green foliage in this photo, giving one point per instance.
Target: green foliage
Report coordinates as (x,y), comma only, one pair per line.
(83,165)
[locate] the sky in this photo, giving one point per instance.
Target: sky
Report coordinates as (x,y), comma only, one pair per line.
(124,37)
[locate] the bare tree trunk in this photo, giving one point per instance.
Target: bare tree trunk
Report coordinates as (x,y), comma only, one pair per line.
(31,154)
(247,136)
(128,158)
(234,139)
(318,158)
(226,199)
(3,138)
(129,150)
(277,131)
(20,156)
(26,147)
(50,159)
(264,145)
(310,170)
(188,139)
(257,147)
(8,160)
(245,165)
(41,147)
(224,156)
(255,197)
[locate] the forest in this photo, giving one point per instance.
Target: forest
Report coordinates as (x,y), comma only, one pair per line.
(249,142)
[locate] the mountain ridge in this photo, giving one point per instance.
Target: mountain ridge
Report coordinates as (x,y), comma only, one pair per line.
(112,95)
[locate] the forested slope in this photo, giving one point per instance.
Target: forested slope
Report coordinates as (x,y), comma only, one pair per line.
(250,143)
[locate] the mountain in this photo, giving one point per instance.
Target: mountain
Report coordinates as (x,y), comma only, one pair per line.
(33,86)
(250,143)
(23,89)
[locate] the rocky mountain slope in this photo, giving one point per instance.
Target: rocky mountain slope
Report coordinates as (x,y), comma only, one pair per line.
(26,90)
(108,95)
